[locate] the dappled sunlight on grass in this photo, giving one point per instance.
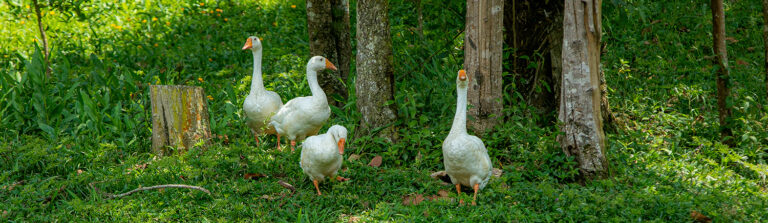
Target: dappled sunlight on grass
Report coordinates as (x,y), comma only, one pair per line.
(89,123)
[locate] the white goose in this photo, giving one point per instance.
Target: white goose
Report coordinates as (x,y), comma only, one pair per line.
(260,104)
(321,154)
(464,156)
(304,116)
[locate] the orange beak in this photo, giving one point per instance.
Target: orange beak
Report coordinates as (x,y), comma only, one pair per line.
(462,75)
(341,146)
(329,65)
(248,44)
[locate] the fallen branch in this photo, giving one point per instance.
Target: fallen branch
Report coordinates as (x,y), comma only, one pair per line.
(111,196)
(287,186)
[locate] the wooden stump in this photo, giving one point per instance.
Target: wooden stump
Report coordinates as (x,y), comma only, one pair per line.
(179,117)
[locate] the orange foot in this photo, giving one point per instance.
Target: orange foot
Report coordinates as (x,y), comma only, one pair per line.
(458,193)
(316,187)
(341,179)
(278,143)
(476,186)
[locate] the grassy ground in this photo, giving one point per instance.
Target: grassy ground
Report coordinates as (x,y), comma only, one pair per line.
(88,123)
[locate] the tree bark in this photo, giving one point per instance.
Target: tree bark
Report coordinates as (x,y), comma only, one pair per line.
(765,43)
(534,32)
(43,37)
(580,91)
(179,117)
(375,72)
(721,61)
(483,45)
(328,27)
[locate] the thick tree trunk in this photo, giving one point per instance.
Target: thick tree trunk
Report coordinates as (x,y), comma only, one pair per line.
(534,32)
(375,72)
(179,117)
(483,45)
(765,44)
(328,26)
(721,61)
(580,91)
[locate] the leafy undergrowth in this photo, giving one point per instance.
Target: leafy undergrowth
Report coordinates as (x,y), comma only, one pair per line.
(83,131)
(57,186)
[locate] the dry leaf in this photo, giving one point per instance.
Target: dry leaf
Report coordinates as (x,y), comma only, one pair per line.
(496,172)
(741,62)
(413,199)
(254,176)
(13,185)
(140,166)
(353,157)
(731,39)
(443,193)
(79,171)
(375,162)
(354,219)
(655,21)
(698,217)
(751,49)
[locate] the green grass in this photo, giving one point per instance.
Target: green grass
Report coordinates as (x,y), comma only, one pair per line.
(89,121)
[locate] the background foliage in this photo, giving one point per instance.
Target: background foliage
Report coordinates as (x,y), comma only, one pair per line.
(89,121)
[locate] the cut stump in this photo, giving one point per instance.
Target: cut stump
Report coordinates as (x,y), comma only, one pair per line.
(179,117)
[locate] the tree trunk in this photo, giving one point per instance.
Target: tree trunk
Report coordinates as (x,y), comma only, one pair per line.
(43,37)
(765,43)
(483,45)
(721,61)
(580,91)
(179,117)
(375,72)
(420,19)
(328,27)
(534,32)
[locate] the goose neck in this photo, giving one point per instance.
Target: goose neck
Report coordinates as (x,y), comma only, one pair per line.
(317,91)
(460,119)
(257,84)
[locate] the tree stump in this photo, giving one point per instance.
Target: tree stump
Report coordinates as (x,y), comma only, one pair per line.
(179,117)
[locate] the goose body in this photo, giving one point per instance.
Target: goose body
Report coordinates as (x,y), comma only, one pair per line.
(260,104)
(304,116)
(321,154)
(465,158)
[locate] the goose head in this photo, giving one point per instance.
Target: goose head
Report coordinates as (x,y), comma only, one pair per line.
(462,80)
(339,134)
(318,63)
(252,43)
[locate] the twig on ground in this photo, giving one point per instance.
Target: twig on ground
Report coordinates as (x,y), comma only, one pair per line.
(287,186)
(110,196)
